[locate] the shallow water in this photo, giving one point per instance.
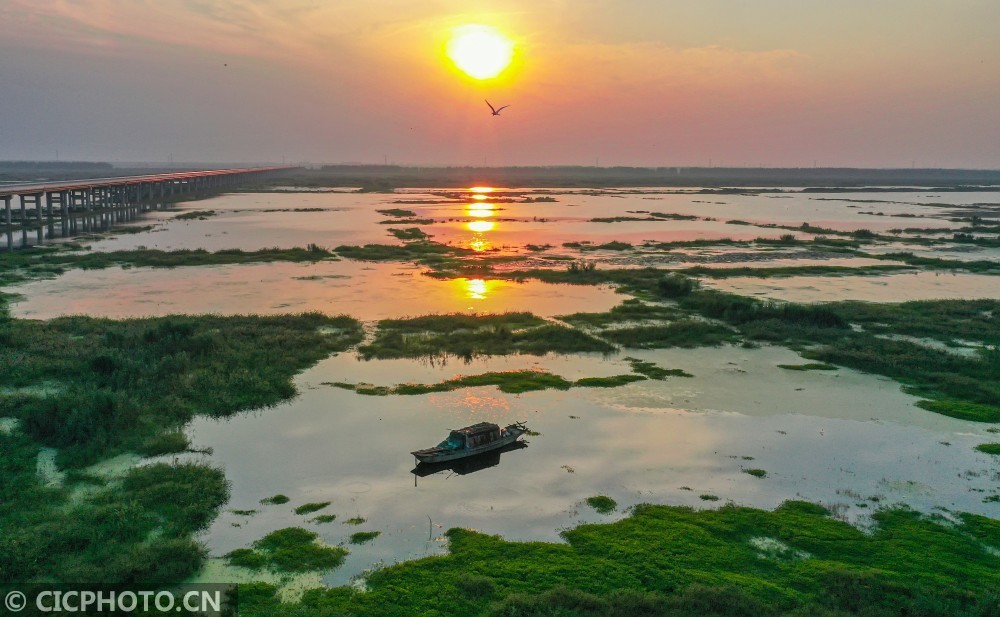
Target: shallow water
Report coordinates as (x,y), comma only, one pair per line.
(840,437)
(884,288)
(836,437)
(364,290)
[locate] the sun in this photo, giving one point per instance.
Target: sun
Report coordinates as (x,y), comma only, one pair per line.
(481,52)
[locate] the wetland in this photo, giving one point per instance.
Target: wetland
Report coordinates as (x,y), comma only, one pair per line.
(740,402)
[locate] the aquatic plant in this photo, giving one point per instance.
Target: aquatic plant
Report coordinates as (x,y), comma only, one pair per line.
(361,537)
(602,504)
(989,448)
(629,310)
(356,520)
(324,518)
(195,214)
(275,500)
(686,333)
(651,370)
(126,382)
(757,473)
(467,336)
(165,443)
(607,382)
(410,233)
(666,560)
(309,508)
(809,366)
(397,213)
(292,549)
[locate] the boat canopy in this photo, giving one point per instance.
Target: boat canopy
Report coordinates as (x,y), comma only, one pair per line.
(471,436)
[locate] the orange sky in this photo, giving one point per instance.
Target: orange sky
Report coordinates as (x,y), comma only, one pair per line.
(640,82)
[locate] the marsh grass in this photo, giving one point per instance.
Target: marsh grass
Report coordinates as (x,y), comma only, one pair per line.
(165,443)
(200,215)
(133,531)
(398,213)
(467,336)
(324,518)
(309,508)
(602,504)
(677,561)
(651,370)
(757,473)
(809,366)
(629,310)
(362,537)
(356,520)
(686,333)
(511,382)
(613,381)
(275,500)
(289,550)
(126,382)
(989,448)
(46,262)
(410,233)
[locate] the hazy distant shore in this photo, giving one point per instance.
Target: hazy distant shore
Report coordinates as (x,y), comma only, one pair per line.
(387,177)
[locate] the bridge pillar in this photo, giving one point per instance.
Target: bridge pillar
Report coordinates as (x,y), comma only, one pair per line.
(49,198)
(88,205)
(24,221)
(64,212)
(7,220)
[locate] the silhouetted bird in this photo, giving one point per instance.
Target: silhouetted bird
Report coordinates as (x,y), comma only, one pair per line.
(496,112)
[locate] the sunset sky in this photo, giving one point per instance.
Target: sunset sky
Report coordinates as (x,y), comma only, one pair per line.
(883,83)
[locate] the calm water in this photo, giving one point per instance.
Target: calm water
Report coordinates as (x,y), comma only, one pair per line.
(840,437)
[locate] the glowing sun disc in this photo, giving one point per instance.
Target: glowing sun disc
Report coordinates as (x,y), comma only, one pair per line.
(480,52)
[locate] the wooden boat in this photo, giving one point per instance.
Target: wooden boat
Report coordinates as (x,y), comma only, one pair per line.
(470,441)
(469,464)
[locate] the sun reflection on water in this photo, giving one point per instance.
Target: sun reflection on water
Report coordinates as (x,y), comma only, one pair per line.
(480,226)
(477,289)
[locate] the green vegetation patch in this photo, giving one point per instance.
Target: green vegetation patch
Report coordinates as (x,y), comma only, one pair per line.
(124,383)
(46,262)
(708,497)
(809,366)
(309,508)
(324,518)
(275,500)
(135,531)
(398,213)
(687,333)
(602,504)
(629,310)
(165,443)
(651,370)
(361,537)
(989,448)
(410,233)
(356,520)
(948,321)
(666,560)
(467,336)
(511,382)
(292,549)
(608,382)
(195,214)
(757,473)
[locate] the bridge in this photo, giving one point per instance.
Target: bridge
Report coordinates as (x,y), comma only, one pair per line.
(66,208)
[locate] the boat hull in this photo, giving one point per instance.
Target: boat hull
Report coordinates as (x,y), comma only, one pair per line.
(507,437)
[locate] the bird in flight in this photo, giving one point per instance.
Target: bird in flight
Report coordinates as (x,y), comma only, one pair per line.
(496,112)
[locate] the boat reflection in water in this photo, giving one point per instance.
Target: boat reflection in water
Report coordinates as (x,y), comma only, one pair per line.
(470,464)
